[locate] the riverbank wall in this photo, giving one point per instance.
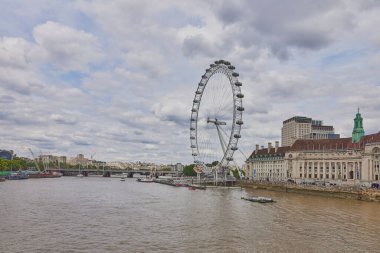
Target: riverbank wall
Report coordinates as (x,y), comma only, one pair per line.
(342,193)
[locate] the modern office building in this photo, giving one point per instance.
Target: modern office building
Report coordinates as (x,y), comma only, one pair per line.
(300,127)
(6,154)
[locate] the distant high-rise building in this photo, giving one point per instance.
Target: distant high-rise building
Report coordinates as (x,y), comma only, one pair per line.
(300,127)
(6,154)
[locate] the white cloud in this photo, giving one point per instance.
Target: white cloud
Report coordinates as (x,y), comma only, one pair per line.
(67,49)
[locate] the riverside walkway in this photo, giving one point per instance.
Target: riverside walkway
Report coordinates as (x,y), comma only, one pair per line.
(342,191)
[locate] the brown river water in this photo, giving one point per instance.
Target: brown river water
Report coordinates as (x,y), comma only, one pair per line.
(96,214)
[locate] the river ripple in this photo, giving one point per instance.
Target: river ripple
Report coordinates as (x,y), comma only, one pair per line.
(97,214)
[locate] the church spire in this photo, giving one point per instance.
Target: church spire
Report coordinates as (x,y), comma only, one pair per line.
(358,131)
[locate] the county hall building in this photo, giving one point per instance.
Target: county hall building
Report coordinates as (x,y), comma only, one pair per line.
(355,159)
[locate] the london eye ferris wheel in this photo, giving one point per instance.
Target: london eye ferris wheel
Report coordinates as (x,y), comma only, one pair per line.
(216,116)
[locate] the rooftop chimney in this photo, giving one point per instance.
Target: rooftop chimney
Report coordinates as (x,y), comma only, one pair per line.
(276,145)
(257,149)
(269,146)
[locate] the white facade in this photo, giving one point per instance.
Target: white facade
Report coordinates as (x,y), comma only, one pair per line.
(335,160)
(327,160)
(267,164)
(268,168)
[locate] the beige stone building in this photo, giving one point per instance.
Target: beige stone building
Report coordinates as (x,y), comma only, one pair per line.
(299,127)
(267,163)
(336,159)
(355,159)
(79,159)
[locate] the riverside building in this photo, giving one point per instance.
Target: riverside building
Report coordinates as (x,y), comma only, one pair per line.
(355,159)
(267,163)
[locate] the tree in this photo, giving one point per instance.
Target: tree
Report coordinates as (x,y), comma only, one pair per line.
(188,170)
(235,172)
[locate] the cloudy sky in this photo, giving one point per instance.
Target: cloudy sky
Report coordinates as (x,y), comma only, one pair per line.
(117,77)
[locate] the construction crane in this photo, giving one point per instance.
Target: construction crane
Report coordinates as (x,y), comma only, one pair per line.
(34,160)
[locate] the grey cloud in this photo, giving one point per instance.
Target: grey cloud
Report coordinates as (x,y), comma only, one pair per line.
(18,86)
(284,25)
(82,142)
(6,99)
(60,119)
(198,46)
(229,11)
(181,121)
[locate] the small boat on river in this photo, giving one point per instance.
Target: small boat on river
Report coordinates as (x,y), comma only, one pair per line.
(145,180)
(259,199)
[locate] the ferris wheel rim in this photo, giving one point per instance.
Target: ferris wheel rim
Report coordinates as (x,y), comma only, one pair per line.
(223,67)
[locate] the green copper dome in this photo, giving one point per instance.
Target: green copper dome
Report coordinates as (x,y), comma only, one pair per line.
(358,131)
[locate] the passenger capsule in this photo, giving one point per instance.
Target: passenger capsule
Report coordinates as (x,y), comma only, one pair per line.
(212,65)
(192,137)
(217,62)
(239,122)
(230,159)
(195,154)
(194,110)
(231,67)
(196,101)
(201,84)
(192,129)
(204,76)
(193,146)
(208,70)
(240,95)
(192,119)
(234,148)
(238,84)
(227,63)
(237,136)
(235,74)
(198,92)
(240,109)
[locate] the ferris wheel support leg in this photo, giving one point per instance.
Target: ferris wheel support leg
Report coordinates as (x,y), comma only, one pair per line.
(221,139)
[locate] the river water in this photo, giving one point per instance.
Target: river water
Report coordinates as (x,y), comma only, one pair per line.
(98,214)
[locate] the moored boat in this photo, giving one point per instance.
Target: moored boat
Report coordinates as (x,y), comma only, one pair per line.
(197,187)
(145,180)
(258,199)
(43,175)
(17,175)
